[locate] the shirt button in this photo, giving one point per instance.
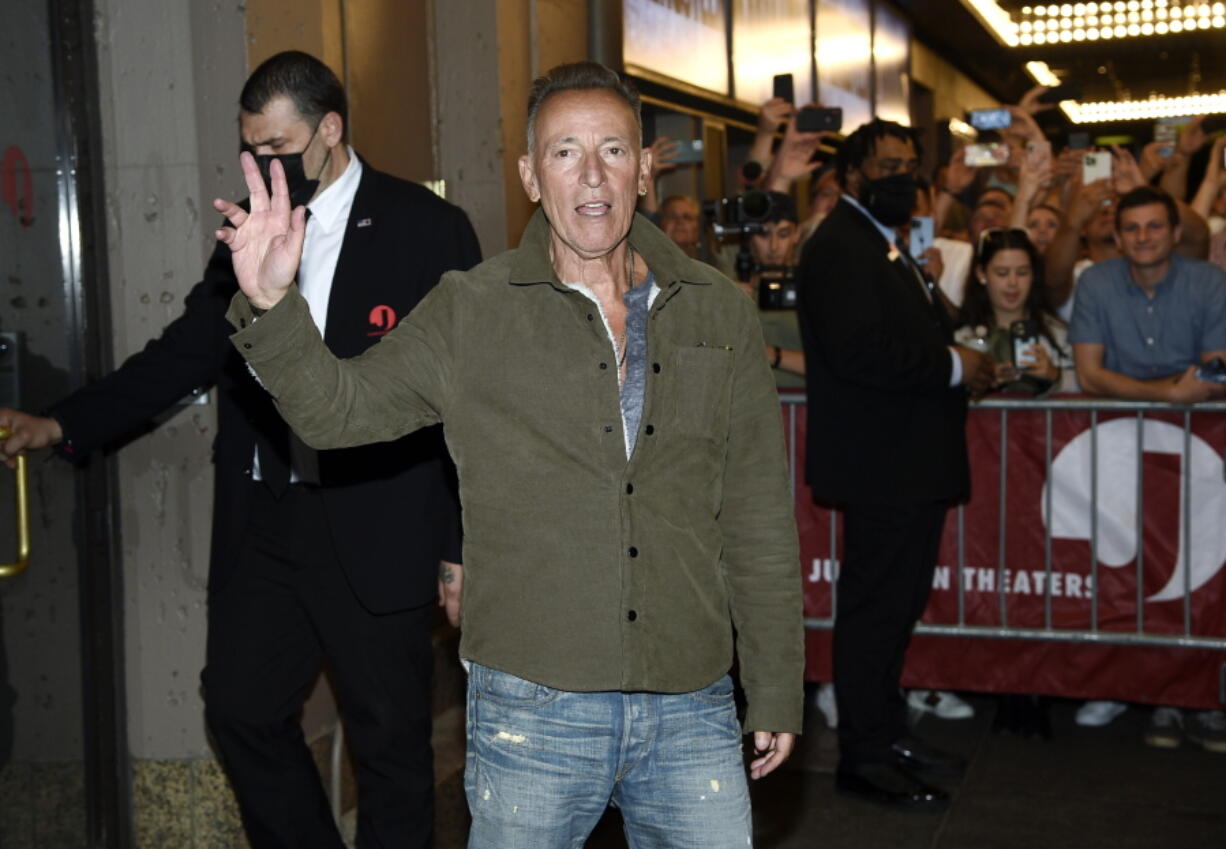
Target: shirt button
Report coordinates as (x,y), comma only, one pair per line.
(633,552)
(649,430)
(1149,341)
(632,615)
(604,366)
(589,317)
(629,489)
(655,367)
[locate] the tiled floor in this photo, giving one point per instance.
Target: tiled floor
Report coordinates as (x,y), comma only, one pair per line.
(1084,788)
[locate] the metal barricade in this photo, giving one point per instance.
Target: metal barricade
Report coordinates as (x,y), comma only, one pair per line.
(1137,636)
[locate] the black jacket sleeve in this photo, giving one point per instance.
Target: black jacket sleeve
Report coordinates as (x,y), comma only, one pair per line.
(189,353)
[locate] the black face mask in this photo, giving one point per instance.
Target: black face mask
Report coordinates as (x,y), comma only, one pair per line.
(889,199)
(301,190)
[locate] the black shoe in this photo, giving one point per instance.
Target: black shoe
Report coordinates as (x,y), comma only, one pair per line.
(918,757)
(887,784)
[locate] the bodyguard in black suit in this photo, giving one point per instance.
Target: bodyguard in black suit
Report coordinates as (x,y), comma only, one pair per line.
(316,556)
(886,443)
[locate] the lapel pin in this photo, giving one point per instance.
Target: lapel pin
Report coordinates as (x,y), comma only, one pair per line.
(364,222)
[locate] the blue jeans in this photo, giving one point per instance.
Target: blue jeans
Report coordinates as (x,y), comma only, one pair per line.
(543,765)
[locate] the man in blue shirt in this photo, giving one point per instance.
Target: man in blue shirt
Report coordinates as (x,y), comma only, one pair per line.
(1142,325)
(1144,322)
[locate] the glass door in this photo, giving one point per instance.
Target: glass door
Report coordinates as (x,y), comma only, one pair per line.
(62,780)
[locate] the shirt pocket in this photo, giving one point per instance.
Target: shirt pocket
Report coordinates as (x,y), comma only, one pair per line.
(703,380)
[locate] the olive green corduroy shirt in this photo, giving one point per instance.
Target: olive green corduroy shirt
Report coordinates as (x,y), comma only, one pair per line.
(583,570)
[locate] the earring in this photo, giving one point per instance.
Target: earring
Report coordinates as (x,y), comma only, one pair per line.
(643,190)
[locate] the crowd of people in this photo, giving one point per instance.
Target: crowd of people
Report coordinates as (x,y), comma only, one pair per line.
(1066,281)
(1012,243)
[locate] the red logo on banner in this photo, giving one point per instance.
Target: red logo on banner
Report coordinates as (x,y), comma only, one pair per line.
(19,199)
(383,318)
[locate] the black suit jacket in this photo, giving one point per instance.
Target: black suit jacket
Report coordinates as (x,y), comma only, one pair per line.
(884,425)
(391,508)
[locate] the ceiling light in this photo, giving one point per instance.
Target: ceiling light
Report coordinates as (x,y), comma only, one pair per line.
(1051,24)
(961,128)
(1158,107)
(1042,74)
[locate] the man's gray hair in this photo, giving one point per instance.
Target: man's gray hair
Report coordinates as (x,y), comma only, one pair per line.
(580,76)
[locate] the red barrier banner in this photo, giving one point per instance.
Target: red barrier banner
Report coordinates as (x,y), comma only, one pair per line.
(1180,542)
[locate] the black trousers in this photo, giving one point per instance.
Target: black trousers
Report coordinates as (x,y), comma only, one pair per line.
(284,610)
(889,556)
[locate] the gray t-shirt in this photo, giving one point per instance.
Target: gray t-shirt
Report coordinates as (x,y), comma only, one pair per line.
(1146,337)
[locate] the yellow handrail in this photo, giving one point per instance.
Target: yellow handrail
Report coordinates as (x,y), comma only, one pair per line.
(8,570)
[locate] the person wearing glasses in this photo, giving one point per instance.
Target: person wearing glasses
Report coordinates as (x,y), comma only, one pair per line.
(1001,299)
(887,392)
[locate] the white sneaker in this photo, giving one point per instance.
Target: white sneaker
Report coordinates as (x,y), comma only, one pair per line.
(942,703)
(1098,713)
(826,704)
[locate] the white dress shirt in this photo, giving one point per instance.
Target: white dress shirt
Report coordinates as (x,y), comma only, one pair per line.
(325,230)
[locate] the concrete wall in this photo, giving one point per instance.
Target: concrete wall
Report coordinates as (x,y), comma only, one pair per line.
(169,75)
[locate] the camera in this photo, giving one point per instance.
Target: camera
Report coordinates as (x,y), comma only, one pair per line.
(777,287)
(742,214)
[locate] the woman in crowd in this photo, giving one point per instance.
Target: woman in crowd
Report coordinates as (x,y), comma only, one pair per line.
(1003,289)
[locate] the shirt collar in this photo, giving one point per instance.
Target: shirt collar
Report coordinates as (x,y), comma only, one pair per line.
(330,205)
(667,261)
(889,232)
(1162,285)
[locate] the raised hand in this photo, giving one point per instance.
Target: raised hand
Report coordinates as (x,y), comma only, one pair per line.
(1193,137)
(773,113)
(265,243)
(1087,200)
(663,152)
(1126,175)
(795,155)
(959,175)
